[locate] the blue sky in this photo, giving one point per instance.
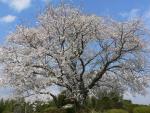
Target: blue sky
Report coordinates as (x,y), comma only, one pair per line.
(14,12)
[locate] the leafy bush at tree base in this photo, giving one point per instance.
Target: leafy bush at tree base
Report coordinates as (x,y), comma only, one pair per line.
(55,110)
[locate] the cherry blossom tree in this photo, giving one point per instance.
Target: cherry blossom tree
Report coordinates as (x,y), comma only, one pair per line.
(76,51)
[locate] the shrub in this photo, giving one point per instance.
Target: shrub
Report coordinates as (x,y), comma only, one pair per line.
(7,112)
(85,111)
(143,109)
(93,111)
(105,103)
(54,110)
(116,111)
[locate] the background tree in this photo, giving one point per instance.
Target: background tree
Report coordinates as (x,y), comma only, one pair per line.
(76,51)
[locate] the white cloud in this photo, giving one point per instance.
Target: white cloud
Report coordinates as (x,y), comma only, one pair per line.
(137,14)
(17,5)
(45,0)
(146,18)
(7,19)
(134,13)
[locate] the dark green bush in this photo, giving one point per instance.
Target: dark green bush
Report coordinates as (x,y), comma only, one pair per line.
(84,111)
(61,100)
(71,110)
(143,109)
(54,110)
(7,112)
(104,104)
(116,111)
